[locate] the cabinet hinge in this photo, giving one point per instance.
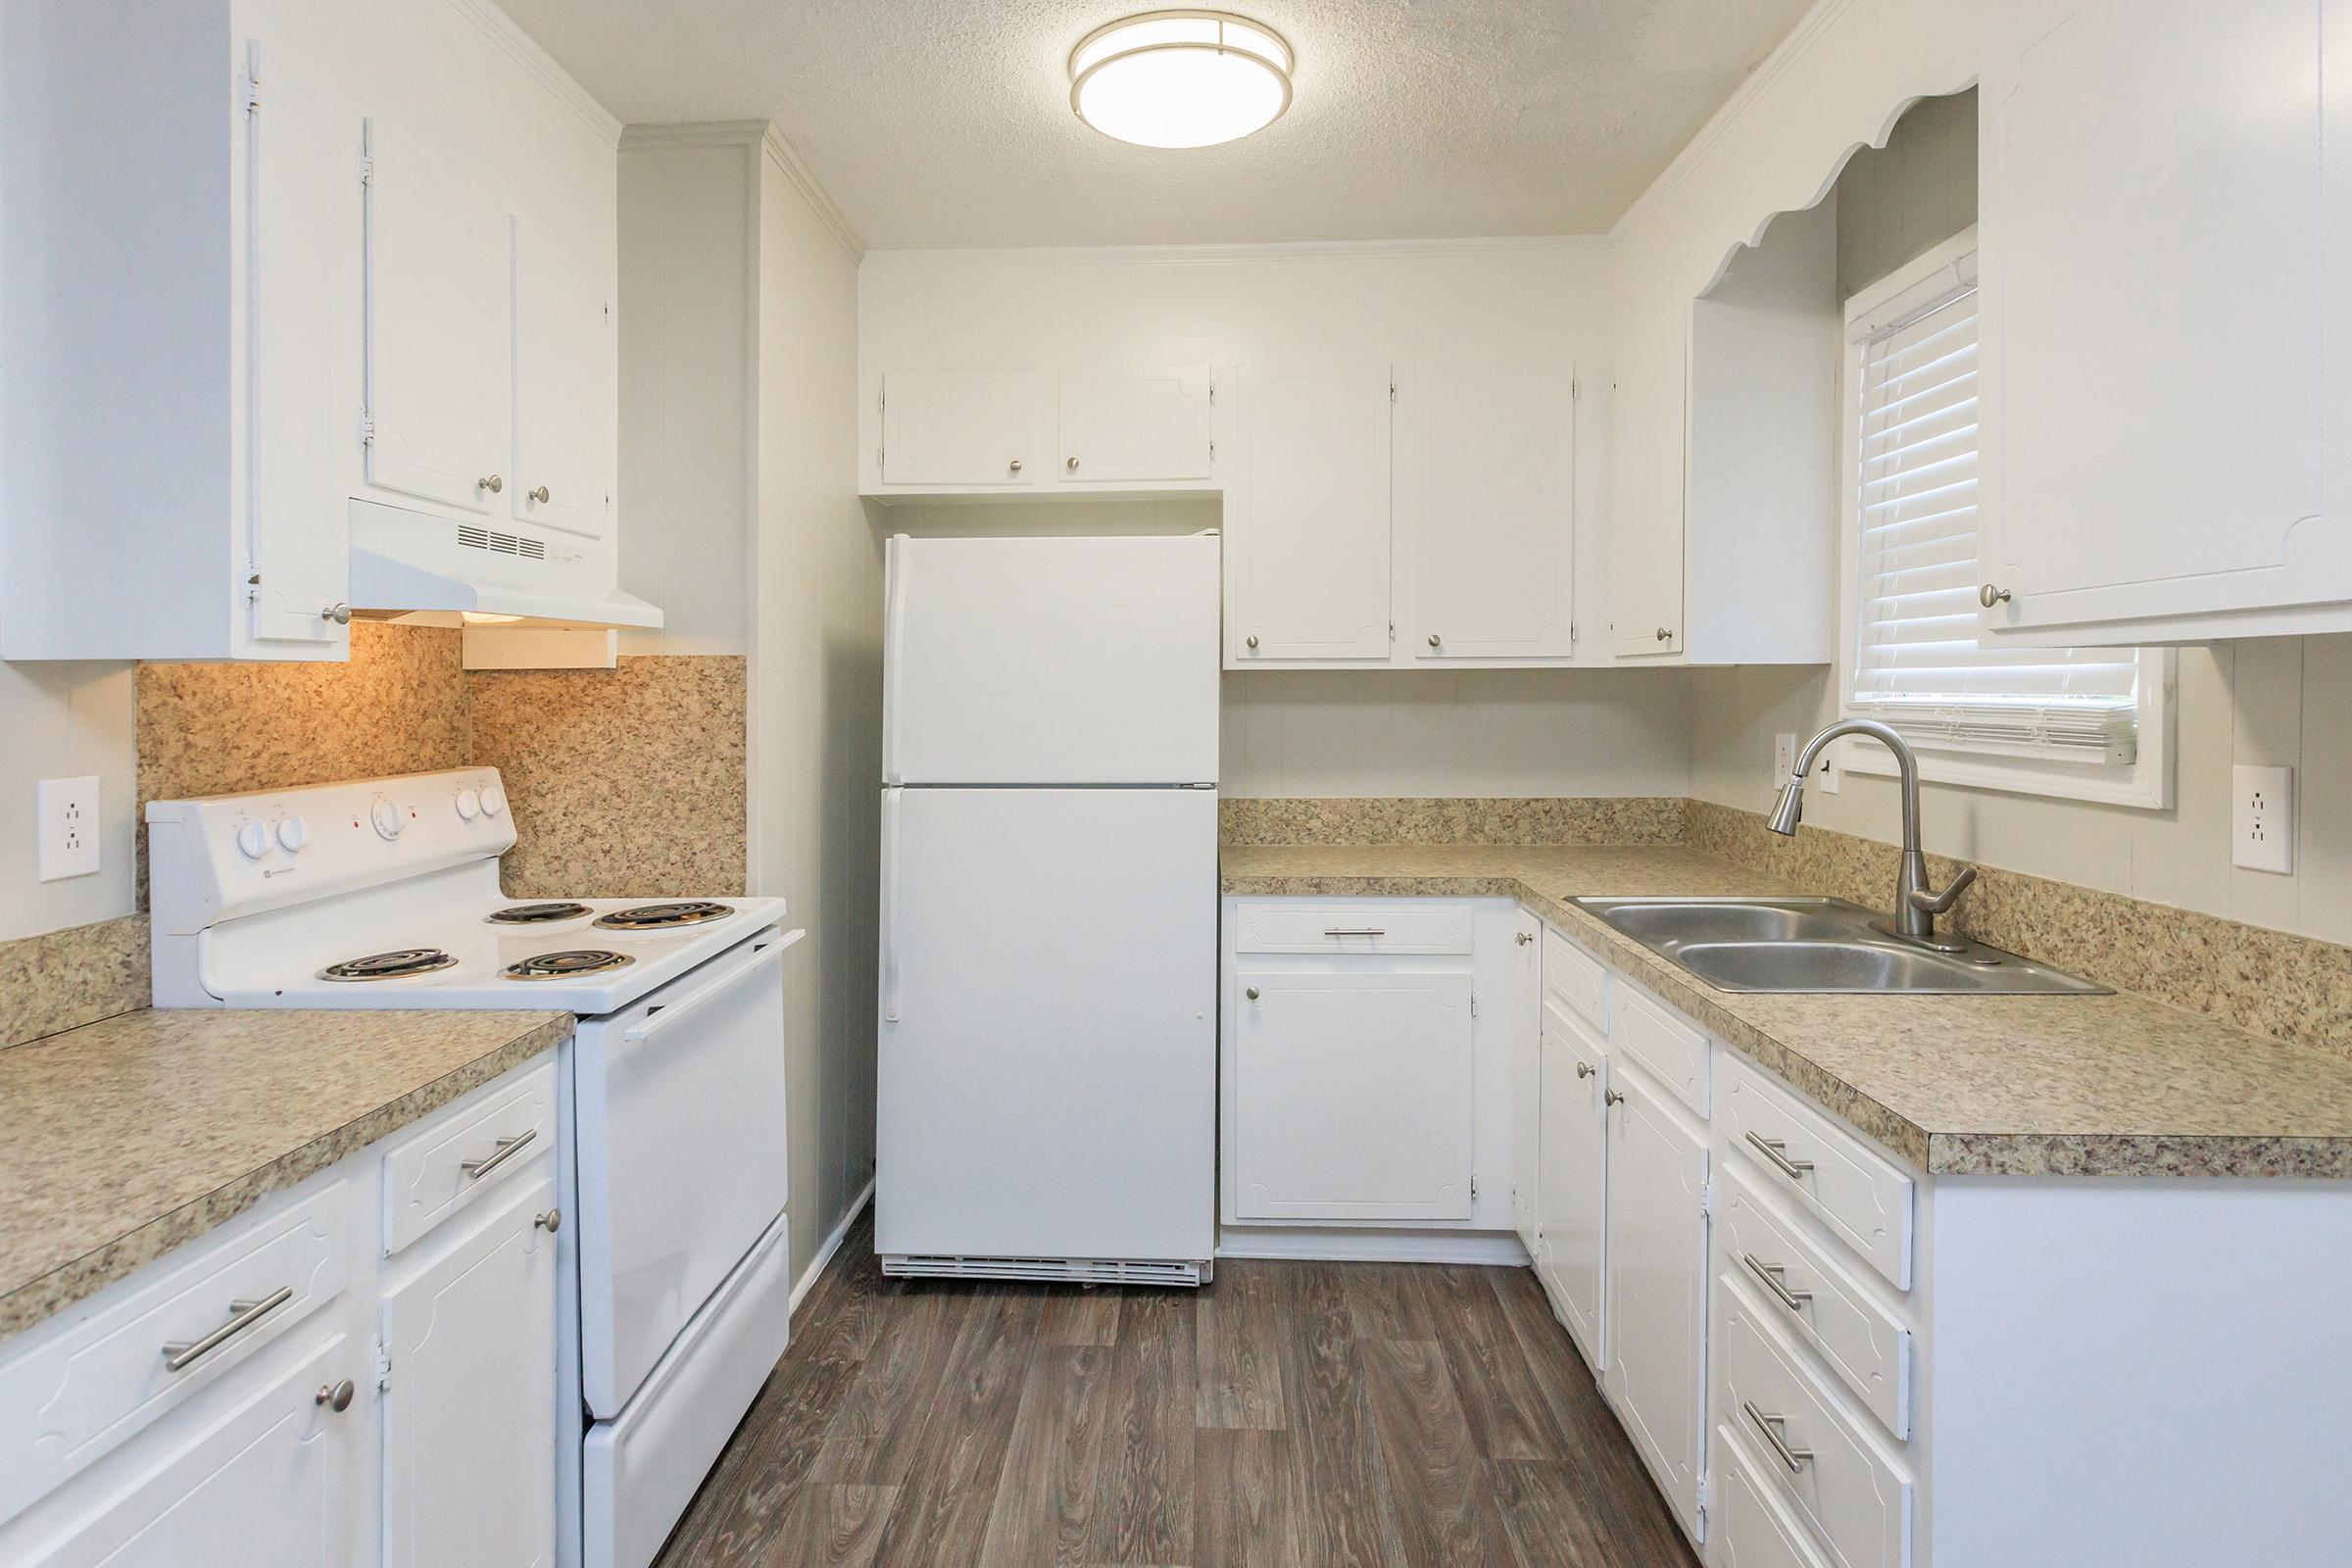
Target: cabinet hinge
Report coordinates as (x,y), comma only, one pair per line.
(383,1367)
(1474,1184)
(1576,390)
(367,428)
(1391,390)
(1213,394)
(1392,631)
(1706,1199)
(1473,1004)
(366,169)
(1212,451)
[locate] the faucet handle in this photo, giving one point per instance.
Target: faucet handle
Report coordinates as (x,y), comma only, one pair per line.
(1938,902)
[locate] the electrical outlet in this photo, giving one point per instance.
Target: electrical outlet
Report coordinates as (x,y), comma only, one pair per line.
(2262,819)
(67,811)
(1783,763)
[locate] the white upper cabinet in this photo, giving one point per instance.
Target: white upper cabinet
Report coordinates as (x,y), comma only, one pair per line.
(565,376)
(1646,519)
(962,428)
(437,323)
(1135,425)
(1306,535)
(1485,511)
(2163,334)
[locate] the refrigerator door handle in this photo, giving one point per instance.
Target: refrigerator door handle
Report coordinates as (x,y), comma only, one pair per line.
(890,812)
(894,637)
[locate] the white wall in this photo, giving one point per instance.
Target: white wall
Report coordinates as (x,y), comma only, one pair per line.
(63,721)
(739,317)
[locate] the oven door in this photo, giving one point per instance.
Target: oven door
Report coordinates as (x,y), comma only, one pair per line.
(679,1109)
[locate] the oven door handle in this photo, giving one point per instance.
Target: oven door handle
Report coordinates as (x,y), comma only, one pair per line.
(662,1016)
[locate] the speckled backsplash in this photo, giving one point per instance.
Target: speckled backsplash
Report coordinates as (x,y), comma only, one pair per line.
(1558,819)
(625,782)
(2273,982)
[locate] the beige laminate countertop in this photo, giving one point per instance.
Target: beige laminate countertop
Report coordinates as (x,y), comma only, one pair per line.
(125,1139)
(2006,1086)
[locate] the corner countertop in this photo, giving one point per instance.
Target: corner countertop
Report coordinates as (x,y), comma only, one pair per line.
(125,1139)
(1965,1086)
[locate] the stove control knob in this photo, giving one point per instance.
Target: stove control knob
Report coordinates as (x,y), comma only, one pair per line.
(470,806)
(294,833)
(253,840)
(493,800)
(387,819)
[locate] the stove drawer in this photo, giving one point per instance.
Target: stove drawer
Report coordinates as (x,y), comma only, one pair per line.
(480,1144)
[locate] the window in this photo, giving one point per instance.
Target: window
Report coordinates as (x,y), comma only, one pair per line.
(2083,722)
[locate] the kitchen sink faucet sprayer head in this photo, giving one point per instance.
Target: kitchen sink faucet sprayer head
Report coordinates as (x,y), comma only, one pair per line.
(1789,808)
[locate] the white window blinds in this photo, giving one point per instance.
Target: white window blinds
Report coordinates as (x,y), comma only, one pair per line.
(1917,666)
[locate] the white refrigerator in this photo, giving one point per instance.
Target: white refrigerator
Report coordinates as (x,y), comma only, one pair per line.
(1047,1074)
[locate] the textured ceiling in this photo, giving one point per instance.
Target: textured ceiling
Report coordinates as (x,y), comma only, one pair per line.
(946,123)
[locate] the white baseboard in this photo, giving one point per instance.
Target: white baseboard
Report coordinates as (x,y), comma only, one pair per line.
(1343,1244)
(832,1245)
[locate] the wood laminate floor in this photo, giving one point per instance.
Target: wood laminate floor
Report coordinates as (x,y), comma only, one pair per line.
(1291,1415)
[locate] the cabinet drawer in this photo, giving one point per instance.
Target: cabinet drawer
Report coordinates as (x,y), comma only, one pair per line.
(1673,1051)
(1576,978)
(439,1171)
(1824,1462)
(1861,1196)
(1823,1304)
(1752,1527)
(1292,927)
(67,1400)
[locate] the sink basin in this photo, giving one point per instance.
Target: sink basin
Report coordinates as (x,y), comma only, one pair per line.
(1819,944)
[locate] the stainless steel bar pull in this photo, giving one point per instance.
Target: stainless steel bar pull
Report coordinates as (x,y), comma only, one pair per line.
(1777,1150)
(1354,931)
(507,1149)
(180,1354)
(1770,1424)
(1770,1274)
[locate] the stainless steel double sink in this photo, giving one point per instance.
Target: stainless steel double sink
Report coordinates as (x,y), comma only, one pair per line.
(1820,946)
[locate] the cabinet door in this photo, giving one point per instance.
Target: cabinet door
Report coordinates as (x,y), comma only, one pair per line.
(1352,1096)
(1573,1179)
(469,1406)
(267,1485)
(1307,529)
(1527,1083)
(296,211)
(1485,511)
(1134,424)
(2151,308)
(1646,528)
(1656,1258)
(437,379)
(565,387)
(961,427)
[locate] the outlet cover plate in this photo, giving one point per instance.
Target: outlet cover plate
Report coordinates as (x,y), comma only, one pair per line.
(2262,820)
(67,809)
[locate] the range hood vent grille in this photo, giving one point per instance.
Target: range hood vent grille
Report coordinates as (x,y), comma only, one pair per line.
(473,536)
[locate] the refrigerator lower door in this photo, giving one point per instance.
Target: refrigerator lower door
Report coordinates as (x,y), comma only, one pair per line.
(1048,1038)
(1050,662)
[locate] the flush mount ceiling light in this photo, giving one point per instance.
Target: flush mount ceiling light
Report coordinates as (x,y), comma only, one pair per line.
(1181,78)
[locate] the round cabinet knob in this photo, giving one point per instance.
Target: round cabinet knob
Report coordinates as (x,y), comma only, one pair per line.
(551,1222)
(493,800)
(253,840)
(1611,1096)
(336,1397)
(1664,635)
(337,612)
(1251,993)
(540,494)
(1251,640)
(1523,938)
(1433,639)
(294,834)
(1072,465)
(1584,1069)
(491,482)
(1989,596)
(387,819)
(1014,466)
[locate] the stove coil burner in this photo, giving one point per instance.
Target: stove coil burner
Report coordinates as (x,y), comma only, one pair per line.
(664,916)
(570,964)
(536,913)
(401,965)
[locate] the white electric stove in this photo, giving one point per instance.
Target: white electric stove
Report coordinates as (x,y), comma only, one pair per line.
(384,894)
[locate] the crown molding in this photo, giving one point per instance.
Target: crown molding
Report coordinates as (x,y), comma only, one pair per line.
(1761,80)
(1196,255)
(527,53)
(764,135)
(787,159)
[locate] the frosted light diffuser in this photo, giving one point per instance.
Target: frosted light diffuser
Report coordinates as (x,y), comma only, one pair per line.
(1181,78)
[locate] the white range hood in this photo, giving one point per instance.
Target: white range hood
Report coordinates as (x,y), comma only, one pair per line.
(412,560)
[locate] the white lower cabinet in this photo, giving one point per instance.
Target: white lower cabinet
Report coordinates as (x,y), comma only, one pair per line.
(470,1404)
(233,1403)
(1657,1264)
(262,1481)
(1573,1127)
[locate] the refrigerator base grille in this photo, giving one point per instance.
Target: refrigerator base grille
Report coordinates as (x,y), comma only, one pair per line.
(1059,1270)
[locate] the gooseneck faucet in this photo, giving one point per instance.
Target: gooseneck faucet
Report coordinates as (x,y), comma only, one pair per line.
(1916,906)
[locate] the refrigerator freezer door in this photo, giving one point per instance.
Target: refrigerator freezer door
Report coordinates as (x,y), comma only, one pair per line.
(1051,661)
(1048,1089)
